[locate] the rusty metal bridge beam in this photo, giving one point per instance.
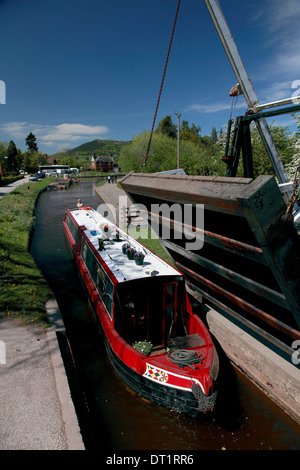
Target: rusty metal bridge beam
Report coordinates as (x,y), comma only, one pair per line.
(259,331)
(238,279)
(220,241)
(278,325)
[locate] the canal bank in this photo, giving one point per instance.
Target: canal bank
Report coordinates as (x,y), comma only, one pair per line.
(36,407)
(271,369)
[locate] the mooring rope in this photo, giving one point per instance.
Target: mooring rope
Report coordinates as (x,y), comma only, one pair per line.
(186,358)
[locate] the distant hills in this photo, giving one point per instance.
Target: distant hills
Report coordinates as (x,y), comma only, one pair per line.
(97,146)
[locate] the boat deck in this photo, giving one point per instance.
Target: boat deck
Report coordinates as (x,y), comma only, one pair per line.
(123,268)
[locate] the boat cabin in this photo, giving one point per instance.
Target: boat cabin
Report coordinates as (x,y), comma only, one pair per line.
(144,302)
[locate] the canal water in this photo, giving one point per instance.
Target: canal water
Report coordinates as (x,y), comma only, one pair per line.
(111,416)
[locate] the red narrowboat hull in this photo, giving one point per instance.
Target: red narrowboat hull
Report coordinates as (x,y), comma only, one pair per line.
(182,380)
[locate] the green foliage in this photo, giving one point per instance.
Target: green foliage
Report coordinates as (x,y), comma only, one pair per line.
(194,158)
(31,143)
(167,127)
(31,161)
(23,290)
(81,156)
(293,166)
(9,179)
(203,155)
(261,162)
(191,134)
(11,155)
(144,347)
(16,160)
(3,149)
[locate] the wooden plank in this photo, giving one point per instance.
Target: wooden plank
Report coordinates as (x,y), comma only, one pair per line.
(240,280)
(234,246)
(291,332)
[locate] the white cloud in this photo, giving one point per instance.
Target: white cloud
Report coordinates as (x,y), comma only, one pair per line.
(15,129)
(49,135)
(277,91)
(212,107)
(72,132)
(282,16)
(280,21)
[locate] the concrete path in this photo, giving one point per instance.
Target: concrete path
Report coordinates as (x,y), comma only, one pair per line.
(36,408)
(10,187)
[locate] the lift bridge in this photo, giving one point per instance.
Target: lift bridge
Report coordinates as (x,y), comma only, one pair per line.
(248,269)
(249,264)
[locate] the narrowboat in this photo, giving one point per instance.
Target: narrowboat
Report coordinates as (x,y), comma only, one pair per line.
(157,345)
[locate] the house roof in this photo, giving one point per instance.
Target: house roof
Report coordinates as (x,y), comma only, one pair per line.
(103,158)
(51,160)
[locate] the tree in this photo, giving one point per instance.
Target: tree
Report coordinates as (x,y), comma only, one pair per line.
(261,161)
(214,135)
(31,161)
(293,167)
(167,127)
(194,159)
(191,134)
(3,149)
(12,152)
(31,143)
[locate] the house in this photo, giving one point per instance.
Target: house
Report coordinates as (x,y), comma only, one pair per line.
(51,161)
(102,163)
(117,168)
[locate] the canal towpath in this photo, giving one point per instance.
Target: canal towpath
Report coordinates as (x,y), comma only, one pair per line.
(10,187)
(36,408)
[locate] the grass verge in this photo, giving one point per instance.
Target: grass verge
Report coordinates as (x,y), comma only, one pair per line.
(147,238)
(23,289)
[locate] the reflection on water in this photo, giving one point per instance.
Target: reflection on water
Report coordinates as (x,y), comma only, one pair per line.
(245,417)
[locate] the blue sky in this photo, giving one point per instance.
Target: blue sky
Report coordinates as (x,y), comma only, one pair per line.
(76,70)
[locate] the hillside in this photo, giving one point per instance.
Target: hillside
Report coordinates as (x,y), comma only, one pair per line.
(97,146)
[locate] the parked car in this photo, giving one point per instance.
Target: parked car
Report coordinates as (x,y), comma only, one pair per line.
(33,178)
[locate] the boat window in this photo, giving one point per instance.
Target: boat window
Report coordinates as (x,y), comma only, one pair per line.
(101,280)
(107,295)
(170,309)
(84,251)
(72,227)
